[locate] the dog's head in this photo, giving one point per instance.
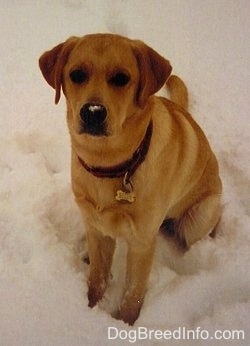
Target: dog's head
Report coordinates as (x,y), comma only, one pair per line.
(106,79)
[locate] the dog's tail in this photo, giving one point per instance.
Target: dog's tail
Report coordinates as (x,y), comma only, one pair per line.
(178,91)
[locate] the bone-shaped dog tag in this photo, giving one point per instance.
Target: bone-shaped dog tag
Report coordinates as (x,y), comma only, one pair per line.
(125,196)
(127,193)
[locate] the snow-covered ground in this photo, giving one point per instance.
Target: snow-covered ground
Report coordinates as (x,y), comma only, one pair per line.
(42,283)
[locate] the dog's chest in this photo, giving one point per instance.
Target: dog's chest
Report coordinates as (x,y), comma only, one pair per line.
(101,210)
(112,220)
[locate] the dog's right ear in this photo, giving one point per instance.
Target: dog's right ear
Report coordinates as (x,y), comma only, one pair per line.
(52,62)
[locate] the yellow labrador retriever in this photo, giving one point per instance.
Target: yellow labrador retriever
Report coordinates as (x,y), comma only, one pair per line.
(139,162)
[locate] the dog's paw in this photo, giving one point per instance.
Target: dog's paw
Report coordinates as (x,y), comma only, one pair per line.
(94,296)
(130,311)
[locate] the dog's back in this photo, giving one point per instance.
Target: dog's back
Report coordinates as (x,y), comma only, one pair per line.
(178,91)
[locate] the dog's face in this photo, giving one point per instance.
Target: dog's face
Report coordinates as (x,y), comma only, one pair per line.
(100,81)
(106,80)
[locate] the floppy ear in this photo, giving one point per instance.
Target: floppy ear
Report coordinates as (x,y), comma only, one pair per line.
(52,63)
(154,71)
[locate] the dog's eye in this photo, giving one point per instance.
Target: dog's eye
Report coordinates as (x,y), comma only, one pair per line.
(119,79)
(78,76)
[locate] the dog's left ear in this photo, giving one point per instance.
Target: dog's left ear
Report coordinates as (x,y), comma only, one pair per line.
(153,68)
(52,62)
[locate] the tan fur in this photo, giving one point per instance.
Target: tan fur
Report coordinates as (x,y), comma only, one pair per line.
(178,180)
(178,91)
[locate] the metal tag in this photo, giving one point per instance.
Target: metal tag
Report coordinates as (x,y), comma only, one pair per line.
(126,194)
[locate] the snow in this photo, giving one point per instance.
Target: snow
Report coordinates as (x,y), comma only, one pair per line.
(43,283)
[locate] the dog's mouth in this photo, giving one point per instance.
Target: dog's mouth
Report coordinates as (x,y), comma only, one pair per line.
(93,119)
(94,129)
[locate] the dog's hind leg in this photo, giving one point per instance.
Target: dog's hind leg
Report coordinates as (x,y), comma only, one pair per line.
(199,221)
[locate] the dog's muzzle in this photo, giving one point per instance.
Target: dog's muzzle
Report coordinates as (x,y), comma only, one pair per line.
(93,116)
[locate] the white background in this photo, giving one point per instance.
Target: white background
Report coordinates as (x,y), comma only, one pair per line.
(42,287)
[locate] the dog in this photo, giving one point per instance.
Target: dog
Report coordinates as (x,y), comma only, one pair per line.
(140,162)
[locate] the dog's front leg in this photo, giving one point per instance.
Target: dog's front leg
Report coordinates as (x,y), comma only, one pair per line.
(101,249)
(139,261)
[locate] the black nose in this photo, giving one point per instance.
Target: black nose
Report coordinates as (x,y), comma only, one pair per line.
(93,113)
(93,116)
